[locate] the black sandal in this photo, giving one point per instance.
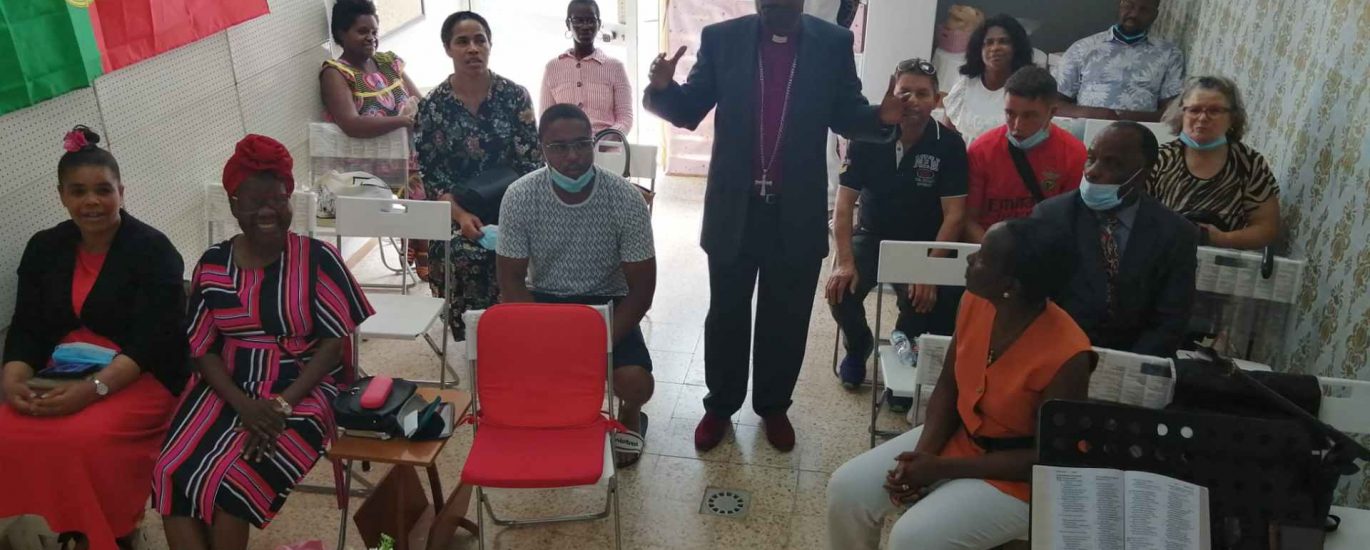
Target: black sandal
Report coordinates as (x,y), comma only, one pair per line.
(630,443)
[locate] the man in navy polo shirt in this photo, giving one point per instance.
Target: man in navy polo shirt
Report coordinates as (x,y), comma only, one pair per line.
(911,189)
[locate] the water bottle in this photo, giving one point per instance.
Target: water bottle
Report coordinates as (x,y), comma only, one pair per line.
(903,348)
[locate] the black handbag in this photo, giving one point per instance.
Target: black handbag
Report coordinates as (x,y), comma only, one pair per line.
(350,415)
(485,192)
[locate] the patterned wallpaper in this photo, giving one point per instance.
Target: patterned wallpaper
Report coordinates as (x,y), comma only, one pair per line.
(1304,69)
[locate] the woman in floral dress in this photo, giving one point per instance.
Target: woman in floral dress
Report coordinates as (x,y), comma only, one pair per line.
(473,122)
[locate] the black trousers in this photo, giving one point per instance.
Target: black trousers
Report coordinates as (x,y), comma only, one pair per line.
(785,289)
(850,313)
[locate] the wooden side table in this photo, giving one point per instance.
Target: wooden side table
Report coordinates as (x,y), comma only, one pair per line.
(399,494)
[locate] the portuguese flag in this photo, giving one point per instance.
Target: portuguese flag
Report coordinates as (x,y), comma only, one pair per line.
(50,47)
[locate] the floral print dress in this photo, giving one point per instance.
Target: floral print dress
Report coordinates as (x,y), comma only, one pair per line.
(455,146)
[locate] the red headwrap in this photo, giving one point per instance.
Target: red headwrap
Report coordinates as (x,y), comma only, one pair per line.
(256,154)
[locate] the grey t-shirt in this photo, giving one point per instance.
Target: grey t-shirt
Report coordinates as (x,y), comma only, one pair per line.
(575,249)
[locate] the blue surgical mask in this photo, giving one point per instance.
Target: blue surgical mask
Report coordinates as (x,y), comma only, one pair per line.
(571,185)
(1032,141)
(1195,145)
(1102,197)
(489,237)
(79,357)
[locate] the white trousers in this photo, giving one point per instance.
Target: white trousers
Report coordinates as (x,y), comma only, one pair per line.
(961,514)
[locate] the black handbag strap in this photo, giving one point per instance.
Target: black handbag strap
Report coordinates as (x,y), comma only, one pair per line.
(1020,161)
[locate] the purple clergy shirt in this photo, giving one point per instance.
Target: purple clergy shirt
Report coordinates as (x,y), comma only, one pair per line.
(778,62)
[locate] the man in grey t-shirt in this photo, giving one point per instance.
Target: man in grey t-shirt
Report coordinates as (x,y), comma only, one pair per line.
(570,233)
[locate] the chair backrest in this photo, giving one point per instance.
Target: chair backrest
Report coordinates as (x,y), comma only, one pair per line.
(1094,126)
(1345,404)
(396,218)
(539,365)
(640,160)
(220,223)
(908,262)
(1120,377)
(328,140)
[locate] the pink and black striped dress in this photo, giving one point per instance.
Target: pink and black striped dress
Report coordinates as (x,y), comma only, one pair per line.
(256,320)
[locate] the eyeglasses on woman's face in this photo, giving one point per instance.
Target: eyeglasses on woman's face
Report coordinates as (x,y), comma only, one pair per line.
(1211,111)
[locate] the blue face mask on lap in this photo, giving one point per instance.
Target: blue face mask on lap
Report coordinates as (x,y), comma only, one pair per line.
(1195,145)
(1102,197)
(1032,141)
(571,185)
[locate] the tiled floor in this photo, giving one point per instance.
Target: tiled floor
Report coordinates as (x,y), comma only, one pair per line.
(661,495)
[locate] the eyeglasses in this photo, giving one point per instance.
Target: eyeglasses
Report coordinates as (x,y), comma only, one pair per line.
(564,147)
(278,200)
(1212,112)
(921,66)
(582,21)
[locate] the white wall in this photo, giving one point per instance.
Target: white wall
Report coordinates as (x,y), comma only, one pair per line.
(171,121)
(895,30)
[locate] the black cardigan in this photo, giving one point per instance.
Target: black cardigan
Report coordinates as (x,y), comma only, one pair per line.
(138,299)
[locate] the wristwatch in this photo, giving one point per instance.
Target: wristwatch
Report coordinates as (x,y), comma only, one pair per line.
(100,388)
(286,409)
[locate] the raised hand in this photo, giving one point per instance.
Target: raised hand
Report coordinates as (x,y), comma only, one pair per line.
(663,70)
(891,107)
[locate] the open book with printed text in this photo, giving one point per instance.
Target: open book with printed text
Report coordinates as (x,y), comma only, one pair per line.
(1094,508)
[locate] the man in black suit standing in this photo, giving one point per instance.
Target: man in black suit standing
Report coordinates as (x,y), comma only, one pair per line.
(1134,284)
(779,79)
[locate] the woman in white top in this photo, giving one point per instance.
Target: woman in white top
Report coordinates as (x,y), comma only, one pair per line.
(997,48)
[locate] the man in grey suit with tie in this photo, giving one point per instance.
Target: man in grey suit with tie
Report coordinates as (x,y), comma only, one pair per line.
(778,80)
(1133,286)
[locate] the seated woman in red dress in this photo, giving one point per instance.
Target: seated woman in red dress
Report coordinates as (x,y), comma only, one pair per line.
(100,292)
(269,319)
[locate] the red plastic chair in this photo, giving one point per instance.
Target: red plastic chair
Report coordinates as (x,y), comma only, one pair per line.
(540,374)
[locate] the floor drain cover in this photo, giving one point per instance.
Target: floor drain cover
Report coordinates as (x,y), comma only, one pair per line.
(729,503)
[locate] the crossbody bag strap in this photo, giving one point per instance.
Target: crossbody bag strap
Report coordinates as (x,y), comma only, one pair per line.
(1020,161)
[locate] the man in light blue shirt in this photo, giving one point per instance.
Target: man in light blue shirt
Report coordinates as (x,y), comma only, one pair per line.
(1123,73)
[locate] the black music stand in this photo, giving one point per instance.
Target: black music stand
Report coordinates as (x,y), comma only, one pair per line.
(1257,471)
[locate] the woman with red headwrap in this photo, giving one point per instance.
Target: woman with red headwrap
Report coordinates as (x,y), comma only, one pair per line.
(269,319)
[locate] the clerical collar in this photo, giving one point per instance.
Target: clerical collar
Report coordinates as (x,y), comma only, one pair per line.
(780,39)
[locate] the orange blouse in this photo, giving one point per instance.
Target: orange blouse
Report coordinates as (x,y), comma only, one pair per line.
(1001,400)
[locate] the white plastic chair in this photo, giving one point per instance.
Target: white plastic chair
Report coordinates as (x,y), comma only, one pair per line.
(1346,407)
(909,263)
(402,316)
(615,154)
(220,223)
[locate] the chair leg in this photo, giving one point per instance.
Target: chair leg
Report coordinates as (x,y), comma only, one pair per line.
(618,513)
(346,507)
(480,518)
(836,343)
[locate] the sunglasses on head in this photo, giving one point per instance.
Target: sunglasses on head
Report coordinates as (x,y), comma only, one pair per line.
(921,66)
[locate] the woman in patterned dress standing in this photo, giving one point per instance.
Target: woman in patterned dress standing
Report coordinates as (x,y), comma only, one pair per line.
(269,322)
(474,122)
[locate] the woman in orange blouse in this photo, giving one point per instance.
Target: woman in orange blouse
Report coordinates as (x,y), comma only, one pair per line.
(965,472)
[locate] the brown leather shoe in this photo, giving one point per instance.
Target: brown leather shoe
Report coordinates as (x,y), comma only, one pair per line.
(779,432)
(710,431)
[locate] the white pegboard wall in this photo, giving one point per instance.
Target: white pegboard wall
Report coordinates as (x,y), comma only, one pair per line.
(292,27)
(28,208)
(281,101)
(145,93)
(171,121)
(171,159)
(35,141)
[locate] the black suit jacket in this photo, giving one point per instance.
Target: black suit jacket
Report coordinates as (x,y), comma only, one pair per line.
(826,94)
(1155,279)
(138,299)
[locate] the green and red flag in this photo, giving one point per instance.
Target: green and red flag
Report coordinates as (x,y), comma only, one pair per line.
(51,47)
